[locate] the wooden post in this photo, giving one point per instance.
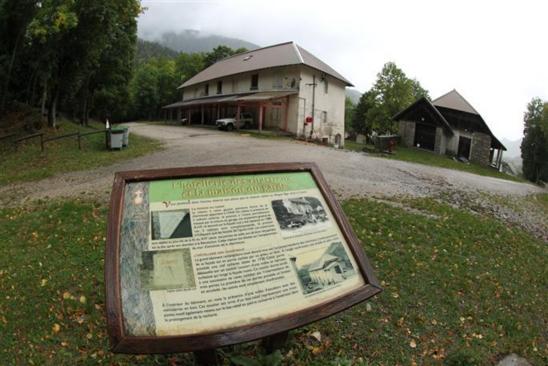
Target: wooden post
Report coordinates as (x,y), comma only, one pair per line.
(499,159)
(189,115)
(79,142)
(42,143)
(202,110)
(218,111)
(286,112)
(206,358)
(275,341)
(238,111)
(260,117)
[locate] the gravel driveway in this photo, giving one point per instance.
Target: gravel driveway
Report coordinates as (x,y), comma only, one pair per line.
(348,173)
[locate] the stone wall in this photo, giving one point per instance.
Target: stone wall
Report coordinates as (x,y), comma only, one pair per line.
(440,142)
(479,150)
(407,133)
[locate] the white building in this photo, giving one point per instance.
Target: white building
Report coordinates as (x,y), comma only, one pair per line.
(283,87)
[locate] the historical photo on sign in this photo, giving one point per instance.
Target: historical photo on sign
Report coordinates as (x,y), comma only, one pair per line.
(167,269)
(171,224)
(320,269)
(300,215)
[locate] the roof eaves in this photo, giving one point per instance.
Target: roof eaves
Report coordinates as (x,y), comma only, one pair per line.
(423,98)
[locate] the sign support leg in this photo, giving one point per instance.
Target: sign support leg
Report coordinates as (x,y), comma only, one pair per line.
(206,357)
(274,342)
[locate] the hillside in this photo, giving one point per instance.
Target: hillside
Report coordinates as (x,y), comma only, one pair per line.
(193,41)
(354,95)
(513,146)
(147,49)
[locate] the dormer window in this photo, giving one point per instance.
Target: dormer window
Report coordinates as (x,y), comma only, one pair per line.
(247,58)
(206,90)
(220,87)
(254,82)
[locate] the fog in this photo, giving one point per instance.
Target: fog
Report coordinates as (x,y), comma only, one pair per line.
(493,53)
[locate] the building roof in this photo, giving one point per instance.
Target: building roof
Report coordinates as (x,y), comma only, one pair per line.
(423,109)
(232,98)
(322,262)
(283,54)
(454,100)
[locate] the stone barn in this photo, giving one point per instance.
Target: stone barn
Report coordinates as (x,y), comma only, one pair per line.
(449,125)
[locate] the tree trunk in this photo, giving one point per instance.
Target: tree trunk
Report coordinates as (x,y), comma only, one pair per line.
(8,75)
(84,111)
(44,99)
(52,111)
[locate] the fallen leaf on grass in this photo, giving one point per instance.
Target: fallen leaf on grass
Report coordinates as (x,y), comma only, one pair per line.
(56,328)
(413,344)
(317,335)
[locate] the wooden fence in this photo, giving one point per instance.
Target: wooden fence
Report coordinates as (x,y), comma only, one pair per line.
(78,135)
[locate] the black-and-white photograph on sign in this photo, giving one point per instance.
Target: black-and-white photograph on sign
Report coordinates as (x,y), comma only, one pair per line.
(300,215)
(171,224)
(167,269)
(322,268)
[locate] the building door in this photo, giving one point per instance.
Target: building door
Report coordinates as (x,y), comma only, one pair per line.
(425,136)
(464,147)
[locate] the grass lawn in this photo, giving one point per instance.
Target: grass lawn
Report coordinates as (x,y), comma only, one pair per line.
(460,289)
(29,163)
(429,158)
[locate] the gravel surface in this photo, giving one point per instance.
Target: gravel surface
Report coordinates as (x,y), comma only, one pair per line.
(349,173)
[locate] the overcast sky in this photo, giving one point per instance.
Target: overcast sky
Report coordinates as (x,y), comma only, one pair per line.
(495,53)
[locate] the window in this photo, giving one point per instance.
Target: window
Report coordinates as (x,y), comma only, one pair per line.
(277,81)
(254,82)
(324,117)
(325,85)
(206,89)
(219,87)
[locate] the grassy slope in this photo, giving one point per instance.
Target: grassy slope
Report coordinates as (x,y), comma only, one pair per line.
(458,287)
(29,163)
(428,158)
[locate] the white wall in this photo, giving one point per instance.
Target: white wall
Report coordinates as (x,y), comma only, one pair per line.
(241,83)
(332,102)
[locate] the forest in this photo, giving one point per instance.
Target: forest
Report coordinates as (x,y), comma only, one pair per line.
(82,58)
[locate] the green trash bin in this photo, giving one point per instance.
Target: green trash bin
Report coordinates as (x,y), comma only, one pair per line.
(126,136)
(116,138)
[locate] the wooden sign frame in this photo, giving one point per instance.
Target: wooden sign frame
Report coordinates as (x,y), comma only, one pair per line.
(124,343)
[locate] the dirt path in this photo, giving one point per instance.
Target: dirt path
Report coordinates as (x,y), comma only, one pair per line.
(349,173)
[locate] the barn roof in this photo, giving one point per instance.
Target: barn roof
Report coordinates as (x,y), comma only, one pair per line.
(423,110)
(322,262)
(454,100)
(283,54)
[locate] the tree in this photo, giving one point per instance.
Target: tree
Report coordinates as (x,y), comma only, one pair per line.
(144,91)
(361,122)
(189,64)
(534,146)
(219,53)
(392,92)
(349,108)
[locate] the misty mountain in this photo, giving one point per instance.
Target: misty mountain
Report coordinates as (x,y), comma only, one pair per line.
(513,146)
(147,50)
(354,95)
(193,41)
